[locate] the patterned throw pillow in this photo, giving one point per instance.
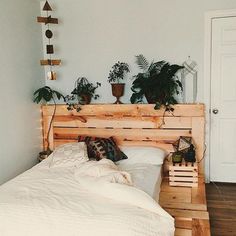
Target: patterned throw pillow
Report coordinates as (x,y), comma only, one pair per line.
(99,148)
(70,154)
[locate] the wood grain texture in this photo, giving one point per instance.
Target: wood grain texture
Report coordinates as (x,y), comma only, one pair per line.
(187,206)
(130,124)
(181,110)
(141,125)
(221,201)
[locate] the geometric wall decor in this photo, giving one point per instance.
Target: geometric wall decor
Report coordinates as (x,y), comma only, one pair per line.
(47,20)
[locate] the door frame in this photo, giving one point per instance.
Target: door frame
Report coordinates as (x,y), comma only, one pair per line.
(209,16)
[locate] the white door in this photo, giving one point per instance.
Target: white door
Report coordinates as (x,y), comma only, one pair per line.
(223,100)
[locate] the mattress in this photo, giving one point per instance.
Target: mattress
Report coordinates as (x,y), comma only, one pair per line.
(146,177)
(47,201)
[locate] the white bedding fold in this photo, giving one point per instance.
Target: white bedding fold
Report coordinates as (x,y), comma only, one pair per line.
(50,202)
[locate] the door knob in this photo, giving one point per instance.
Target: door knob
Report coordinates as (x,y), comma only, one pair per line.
(215,111)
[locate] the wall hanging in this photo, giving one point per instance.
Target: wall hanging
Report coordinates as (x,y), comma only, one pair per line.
(47,20)
(189,81)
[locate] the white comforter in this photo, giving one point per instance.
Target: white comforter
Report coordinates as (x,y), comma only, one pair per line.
(68,202)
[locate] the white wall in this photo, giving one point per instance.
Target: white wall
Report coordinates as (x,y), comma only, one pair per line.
(20,75)
(93,35)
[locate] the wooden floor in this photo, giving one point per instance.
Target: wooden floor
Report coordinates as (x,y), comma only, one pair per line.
(221,202)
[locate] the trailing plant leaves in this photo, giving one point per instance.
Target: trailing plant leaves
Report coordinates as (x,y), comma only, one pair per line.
(157,106)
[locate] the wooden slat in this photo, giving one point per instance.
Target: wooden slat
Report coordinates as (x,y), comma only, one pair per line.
(183,224)
(180,179)
(183,232)
(188,213)
(186,168)
(183,205)
(183,110)
(199,194)
(120,122)
(198,135)
(126,134)
(47,20)
(48,63)
(183,197)
(200,227)
(175,173)
(182,184)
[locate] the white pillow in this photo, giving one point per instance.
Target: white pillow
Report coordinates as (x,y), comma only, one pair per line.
(141,154)
(70,154)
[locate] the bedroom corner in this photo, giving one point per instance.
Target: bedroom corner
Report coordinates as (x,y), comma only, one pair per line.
(20,50)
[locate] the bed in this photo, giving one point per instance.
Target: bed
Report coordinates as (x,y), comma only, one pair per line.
(43,201)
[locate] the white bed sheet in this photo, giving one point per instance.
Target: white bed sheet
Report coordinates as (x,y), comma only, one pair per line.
(146,177)
(44,201)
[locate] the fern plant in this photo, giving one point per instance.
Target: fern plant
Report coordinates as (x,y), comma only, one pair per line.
(157,82)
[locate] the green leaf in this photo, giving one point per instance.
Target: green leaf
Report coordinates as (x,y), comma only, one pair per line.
(142,62)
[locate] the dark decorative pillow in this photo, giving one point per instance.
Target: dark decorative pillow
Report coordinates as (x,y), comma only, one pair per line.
(99,148)
(87,140)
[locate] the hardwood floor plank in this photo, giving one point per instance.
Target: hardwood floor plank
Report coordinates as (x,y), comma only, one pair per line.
(221,201)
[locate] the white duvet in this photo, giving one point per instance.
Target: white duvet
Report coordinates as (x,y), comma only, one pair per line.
(89,200)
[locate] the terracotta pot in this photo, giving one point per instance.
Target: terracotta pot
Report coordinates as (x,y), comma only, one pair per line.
(118,91)
(86,99)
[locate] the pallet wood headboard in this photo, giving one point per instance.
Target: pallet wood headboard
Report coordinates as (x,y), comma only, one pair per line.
(130,124)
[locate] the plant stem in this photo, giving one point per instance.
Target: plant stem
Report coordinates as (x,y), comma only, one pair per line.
(50,124)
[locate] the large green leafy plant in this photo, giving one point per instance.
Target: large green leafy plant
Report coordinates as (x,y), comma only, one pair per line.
(158,82)
(44,95)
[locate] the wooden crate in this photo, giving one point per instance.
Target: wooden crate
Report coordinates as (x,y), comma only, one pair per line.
(183,174)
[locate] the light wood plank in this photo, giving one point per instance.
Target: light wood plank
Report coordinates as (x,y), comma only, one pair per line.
(200,227)
(198,135)
(183,223)
(188,213)
(121,122)
(183,205)
(174,173)
(183,232)
(182,197)
(184,110)
(126,134)
(182,184)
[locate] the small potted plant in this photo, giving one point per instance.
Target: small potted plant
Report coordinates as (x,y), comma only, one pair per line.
(157,82)
(116,74)
(45,95)
(83,92)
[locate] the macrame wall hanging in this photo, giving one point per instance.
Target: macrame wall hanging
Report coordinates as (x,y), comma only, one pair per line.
(189,81)
(47,20)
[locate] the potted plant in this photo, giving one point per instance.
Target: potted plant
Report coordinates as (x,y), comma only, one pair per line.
(158,82)
(83,92)
(116,74)
(45,95)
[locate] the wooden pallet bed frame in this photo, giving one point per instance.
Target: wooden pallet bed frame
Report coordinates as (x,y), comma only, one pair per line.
(132,125)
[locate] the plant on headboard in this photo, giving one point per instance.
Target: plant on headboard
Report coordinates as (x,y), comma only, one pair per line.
(82,94)
(45,95)
(116,75)
(158,82)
